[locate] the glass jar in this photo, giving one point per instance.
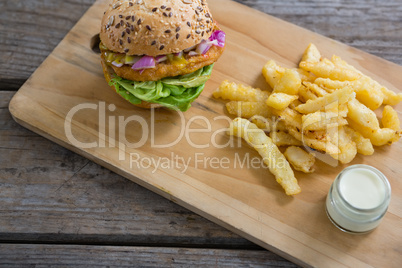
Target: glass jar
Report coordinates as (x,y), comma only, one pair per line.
(358,199)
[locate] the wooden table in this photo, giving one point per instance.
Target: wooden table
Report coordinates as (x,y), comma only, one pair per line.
(57,207)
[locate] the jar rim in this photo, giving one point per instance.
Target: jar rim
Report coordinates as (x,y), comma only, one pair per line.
(384,180)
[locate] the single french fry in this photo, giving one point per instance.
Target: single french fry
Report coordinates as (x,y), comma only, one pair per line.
(288,83)
(272,157)
(390,97)
(238,92)
(247,109)
(311,54)
(272,73)
(300,159)
(280,101)
(390,118)
(362,115)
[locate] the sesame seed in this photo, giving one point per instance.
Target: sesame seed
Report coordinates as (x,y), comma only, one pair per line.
(139,21)
(126,50)
(170,14)
(161,47)
(189,24)
(169,8)
(153,43)
(165,14)
(120,16)
(133,18)
(132,28)
(197,31)
(154,9)
(129,40)
(148,27)
(177,29)
(131,4)
(177,36)
(163,7)
(167,31)
(121,42)
(202,34)
(188,36)
(128,17)
(123,34)
(207,15)
(110,22)
(196,12)
(122,23)
(117,26)
(199,19)
(128,30)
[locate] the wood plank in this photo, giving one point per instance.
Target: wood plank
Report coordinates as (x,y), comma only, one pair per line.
(285,225)
(50,194)
(113,256)
(372,27)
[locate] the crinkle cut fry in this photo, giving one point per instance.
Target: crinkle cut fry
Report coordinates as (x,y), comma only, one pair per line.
(272,157)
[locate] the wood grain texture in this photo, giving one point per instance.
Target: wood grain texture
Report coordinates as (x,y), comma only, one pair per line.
(27,34)
(51,194)
(43,104)
(372,26)
(108,256)
(29,30)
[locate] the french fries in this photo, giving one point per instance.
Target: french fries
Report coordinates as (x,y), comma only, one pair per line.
(270,153)
(362,115)
(340,96)
(280,101)
(390,118)
(326,105)
(248,109)
(282,138)
(234,92)
(300,159)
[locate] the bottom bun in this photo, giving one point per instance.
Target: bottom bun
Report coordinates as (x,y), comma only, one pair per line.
(108,72)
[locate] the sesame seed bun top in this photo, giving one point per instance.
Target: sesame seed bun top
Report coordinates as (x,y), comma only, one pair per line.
(155,27)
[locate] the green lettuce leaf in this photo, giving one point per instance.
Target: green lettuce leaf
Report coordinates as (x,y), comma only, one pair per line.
(172,92)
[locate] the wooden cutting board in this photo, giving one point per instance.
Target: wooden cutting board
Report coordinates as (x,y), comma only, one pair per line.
(189,159)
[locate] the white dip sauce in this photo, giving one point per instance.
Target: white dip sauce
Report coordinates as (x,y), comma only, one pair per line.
(358,199)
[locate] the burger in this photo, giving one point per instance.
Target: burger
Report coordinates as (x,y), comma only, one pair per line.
(159,52)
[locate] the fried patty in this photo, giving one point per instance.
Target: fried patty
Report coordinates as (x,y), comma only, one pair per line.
(167,69)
